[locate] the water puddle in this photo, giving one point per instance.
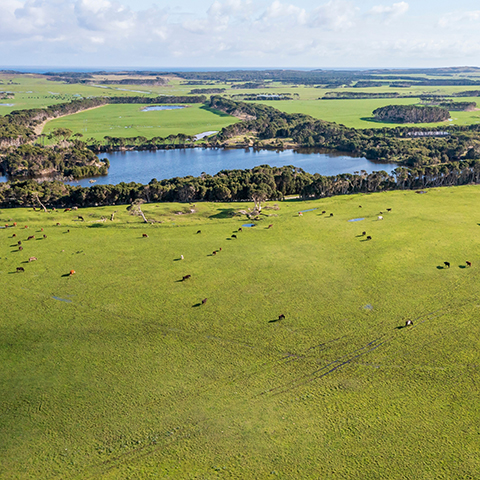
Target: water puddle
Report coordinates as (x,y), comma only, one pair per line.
(67,300)
(309,210)
(248,225)
(162,107)
(368,307)
(7,104)
(357,219)
(199,136)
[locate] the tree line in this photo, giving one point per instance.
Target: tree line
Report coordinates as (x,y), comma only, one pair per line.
(265,182)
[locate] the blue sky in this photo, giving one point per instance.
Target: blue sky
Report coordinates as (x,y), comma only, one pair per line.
(240,33)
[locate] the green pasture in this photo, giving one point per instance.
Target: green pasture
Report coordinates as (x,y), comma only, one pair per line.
(132,121)
(119,371)
(358,113)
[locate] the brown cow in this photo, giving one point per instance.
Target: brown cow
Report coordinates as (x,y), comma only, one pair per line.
(204,301)
(14,235)
(469,264)
(31,237)
(240,229)
(270,226)
(32,259)
(44,236)
(20,248)
(145,235)
(20,269)
(58,224)
(67,209)
(214,252)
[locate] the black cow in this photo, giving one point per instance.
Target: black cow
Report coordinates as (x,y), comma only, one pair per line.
(369,237)
(447,264)
(408,323)
(20,269)
(281,317)
(185,277)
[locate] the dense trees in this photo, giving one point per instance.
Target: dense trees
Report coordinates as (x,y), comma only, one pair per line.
(411,114)
(258,183)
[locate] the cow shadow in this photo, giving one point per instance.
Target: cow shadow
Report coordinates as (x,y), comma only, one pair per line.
(462,266)
(441,267)
(197,305)
(176,259)
(66,275)
(400,327)
(275,320)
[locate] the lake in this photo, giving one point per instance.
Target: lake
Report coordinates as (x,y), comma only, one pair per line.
(143,166)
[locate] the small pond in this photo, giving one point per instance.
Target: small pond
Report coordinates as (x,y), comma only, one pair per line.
(162,107)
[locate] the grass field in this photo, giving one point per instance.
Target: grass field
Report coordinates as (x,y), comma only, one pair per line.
(117,372)
(131,121)
(32,91)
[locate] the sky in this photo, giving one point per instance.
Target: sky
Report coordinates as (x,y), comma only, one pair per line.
(239,33)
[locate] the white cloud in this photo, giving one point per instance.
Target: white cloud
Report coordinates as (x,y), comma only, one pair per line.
(278,10)
(459,18)
(334,15)
(394,10)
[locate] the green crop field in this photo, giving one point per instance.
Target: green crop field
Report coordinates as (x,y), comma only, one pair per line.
(131,121)
(119,371)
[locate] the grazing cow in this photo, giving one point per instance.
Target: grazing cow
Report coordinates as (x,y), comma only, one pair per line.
(14,235)
(389,209)
(447,264)
(31,237)
(19,242)
(44,236)
(58,224)
(364,233)
(408,323)
(300,214)
(72,272)
(324,211)
(270,226)
(81,218)
(74,208)
(331,214)
(240,229)
(204,301)
(20,269)
(67,209)
(181,257)
(380,217)
(214,252)
(199,231)
(26,226)
(234,236)
(469,264)
(220,249)
(68,231)
(369,237)
(41,229)
(281,317)
(20,248)
(32,259)
(185,277)
(381,213)
(144,235)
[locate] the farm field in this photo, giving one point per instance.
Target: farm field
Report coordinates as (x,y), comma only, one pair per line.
(120,372)
(131,121)
(358,113)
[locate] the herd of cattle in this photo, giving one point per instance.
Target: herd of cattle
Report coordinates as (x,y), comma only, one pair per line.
(186,277)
